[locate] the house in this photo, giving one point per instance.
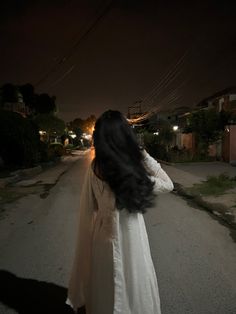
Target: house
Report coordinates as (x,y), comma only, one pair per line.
(15,103)
(224,149)
(223,100)
(18,107)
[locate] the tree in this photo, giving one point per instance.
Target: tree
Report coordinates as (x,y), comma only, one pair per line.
(45,104)
(154,146)
(166,133)
(85,126)
(207,126)
(19,139)
(29,96)
(164,129)
(50,123)
(157,144)
(77,123)
(89,123)
(9,93)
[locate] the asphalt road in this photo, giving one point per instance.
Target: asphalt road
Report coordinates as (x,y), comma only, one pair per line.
(194,255)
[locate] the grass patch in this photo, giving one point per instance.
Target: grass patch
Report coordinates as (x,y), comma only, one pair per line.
(214,185)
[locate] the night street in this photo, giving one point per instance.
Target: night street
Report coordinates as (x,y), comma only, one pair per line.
(193,254)
(147,90)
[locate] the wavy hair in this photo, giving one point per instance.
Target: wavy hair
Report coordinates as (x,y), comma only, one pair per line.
(118,161)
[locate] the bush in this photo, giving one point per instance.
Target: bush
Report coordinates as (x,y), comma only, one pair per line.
(154,147)
(70,146)
(44,153)
(56,150)
(214,185)
(20,140)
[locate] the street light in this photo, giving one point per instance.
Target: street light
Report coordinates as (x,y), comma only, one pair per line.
(175,128)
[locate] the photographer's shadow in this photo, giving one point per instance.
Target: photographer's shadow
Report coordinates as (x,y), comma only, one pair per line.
(30,296)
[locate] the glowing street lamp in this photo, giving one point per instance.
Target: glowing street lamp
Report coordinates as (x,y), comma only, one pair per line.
(175,128)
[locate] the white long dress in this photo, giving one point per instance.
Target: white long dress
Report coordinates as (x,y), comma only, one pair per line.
(113,272)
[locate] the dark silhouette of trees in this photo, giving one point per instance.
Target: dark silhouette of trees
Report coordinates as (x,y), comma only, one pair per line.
(37,103)
(29,95)
(79,125)
(45,104)
(19,139)
(208,126)
(50,123)
(9,93)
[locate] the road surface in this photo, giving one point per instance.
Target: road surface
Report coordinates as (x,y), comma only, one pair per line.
(194,255)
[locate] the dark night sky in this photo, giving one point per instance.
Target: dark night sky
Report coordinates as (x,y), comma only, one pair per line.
(127,54)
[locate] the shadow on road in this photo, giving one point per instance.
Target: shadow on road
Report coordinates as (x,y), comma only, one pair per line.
(30,296)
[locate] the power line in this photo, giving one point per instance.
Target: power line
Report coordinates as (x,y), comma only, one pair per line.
(172,97)
(77,43)
(167,78)
(64,75)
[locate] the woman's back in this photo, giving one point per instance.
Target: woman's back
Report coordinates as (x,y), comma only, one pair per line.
(121,245)
(113,272)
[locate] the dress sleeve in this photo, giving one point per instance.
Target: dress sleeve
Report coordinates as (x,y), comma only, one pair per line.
(162,181)
(79,277)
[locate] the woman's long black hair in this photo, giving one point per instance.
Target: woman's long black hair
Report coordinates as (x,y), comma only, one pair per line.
(118,160)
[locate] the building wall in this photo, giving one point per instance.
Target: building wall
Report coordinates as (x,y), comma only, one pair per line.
(229,144)
(216,150)
(18,107)
(187,141)
(212,150)
(232,151)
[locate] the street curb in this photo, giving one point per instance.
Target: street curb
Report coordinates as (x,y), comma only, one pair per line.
(24,174)
(165,162)
(28,172)
(19,175)
(220,210)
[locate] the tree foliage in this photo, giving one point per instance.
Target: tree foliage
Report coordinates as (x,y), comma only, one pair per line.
(29,96)
(9,93)
(45,104)
(154,146)
(208,126)
(80,126)
(19,139)
(50,123)
(37,103)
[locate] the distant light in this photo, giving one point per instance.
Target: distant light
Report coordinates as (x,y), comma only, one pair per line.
(227,129)
(42,132)
(73,135)
(175,127)
(86,136)
(156,133)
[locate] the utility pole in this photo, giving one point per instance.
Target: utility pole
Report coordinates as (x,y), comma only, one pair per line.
(135,111)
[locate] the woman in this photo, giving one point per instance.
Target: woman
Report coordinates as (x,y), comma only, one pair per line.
(113,272)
